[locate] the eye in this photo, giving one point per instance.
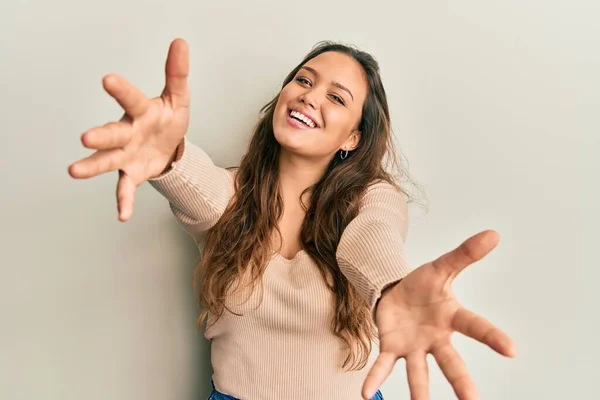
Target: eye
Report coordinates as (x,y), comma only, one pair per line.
(303,80)
(338,99)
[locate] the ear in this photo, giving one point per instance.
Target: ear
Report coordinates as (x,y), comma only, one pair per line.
(353,140)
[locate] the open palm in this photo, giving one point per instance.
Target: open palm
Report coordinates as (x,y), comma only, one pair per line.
(141,144)
(418,315)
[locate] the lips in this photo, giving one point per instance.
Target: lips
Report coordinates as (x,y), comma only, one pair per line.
(303,117)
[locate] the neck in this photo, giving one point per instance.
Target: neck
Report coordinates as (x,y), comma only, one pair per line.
(297,173)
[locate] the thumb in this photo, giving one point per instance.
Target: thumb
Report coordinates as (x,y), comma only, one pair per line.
(176,73)
(470,251)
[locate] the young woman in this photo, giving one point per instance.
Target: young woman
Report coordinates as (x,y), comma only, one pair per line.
(303,265)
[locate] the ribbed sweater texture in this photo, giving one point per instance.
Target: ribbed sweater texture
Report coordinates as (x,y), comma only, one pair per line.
(282,346)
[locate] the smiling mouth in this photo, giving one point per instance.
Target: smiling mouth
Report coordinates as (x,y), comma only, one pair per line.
(303,119)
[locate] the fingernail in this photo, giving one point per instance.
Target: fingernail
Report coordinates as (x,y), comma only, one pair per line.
(125,214)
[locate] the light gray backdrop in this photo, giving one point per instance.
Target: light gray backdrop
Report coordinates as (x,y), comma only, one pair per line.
(495,105)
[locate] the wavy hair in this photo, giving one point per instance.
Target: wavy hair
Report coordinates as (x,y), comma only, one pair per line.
(241,241)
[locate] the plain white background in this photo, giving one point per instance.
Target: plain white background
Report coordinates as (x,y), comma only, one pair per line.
(494,104)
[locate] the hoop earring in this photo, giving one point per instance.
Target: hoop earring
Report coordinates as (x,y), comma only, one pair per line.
(343,155)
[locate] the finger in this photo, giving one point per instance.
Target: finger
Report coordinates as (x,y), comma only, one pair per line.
(474,326)
(455,371)
(418,376)
(98,163)
(380,370)
(133,101)
(470,251)
(109,136)
(125,196)
(177,70)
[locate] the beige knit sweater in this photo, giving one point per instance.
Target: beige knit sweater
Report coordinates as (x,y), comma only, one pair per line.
(283,347)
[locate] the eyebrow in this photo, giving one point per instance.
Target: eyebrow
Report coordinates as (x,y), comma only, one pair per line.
(336,84)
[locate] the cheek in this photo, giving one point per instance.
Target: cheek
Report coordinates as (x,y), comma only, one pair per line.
(338,122)
(285,97)
(287,93)
(280,103)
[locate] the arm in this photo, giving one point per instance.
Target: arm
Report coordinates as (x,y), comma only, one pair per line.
(371,250)
(197,190)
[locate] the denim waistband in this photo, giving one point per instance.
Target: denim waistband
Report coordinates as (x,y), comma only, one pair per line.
(216,395)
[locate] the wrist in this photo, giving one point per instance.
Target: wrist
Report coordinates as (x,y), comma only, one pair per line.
(175,156)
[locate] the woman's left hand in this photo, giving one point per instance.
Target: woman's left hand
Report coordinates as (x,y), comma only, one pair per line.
(418,315)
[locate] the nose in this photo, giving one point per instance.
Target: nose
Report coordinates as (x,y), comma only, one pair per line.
(309,98)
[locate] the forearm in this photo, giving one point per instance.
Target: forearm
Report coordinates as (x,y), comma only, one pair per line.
(197,190)
(371,251)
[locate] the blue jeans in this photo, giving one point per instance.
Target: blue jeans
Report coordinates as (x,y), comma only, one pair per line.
(215,395)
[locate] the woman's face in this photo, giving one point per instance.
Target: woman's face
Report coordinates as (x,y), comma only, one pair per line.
(318,112)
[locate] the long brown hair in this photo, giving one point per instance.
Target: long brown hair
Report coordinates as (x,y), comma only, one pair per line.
(241,241)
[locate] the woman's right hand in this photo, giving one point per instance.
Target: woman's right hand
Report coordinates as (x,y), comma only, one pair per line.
(143,143)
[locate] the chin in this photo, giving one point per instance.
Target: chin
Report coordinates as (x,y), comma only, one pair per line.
(288,139)
(293,138)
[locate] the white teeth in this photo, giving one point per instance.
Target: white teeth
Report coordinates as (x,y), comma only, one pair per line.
(303,118)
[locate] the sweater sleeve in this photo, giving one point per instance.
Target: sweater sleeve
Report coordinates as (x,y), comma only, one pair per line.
(197,190)
(371,250)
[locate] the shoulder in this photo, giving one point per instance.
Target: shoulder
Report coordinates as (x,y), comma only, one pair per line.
(383,209)
(232,171)
(384,193)
(384,203)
